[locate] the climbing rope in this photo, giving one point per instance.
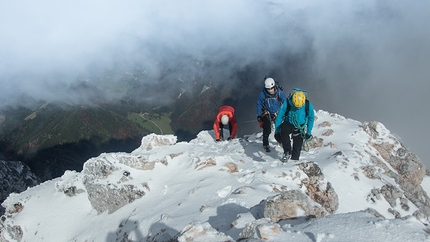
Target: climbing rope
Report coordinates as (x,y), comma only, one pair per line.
(302,129)
(246,121)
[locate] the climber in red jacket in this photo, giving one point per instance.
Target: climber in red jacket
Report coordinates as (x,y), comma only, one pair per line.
(225,116)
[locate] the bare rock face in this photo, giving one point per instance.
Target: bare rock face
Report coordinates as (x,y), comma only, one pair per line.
(320,197)
(408,172)
(153,140)
(108,181)
(371,172)
(111,197)
(256,230)
(391,194)
(316,142)
(15,232)
(198,231)
(108,186)
(325,196)
(288,204)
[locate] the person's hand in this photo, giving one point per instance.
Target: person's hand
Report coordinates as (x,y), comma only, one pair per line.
(308,136)
(259,119)
(229,138)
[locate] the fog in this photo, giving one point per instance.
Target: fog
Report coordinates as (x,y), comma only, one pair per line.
(366,60)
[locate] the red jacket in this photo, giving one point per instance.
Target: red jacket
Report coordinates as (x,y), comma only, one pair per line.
(229,111)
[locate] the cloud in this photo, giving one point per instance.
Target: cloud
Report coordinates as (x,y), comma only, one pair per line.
(367,60)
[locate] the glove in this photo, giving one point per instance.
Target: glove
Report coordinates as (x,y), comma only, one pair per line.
(308,136)
(229,138)
(259,119)
(274,116)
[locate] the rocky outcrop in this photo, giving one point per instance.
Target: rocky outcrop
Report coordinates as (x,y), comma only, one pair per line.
(325,196)
(107,179)
(260,230)
(316,142)
(247,194)
(198,231)
(153,140)
(400,164)
(109,187)
(320,197)
(15,176)
(290,204)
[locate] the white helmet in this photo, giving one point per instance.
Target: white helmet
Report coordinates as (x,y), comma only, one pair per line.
(269,83)
(224,119)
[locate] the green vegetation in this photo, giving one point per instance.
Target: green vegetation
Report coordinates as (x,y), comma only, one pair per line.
(158,123)
(53,125)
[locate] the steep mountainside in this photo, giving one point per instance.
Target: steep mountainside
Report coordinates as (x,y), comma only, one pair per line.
(204,190)
(54,137)
(62,136)
(15,177)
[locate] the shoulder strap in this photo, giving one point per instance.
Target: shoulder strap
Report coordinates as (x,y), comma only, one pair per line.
(307,107)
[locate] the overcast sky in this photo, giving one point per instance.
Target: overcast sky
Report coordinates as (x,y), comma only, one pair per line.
(366,60)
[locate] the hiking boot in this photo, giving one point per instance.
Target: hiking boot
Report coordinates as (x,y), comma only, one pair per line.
(286,157)
(266,148)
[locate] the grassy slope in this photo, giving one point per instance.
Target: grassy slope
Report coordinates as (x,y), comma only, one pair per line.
(146,121)
(53,126)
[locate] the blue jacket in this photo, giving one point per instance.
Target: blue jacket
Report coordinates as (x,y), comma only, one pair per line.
(300,113)
(271,103)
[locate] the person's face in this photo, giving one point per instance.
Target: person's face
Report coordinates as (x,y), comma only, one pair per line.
(271,90)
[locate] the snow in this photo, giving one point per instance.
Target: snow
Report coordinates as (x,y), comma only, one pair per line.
(214,190)
(426,184)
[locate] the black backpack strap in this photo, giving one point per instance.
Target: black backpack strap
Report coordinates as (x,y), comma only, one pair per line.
(307,107)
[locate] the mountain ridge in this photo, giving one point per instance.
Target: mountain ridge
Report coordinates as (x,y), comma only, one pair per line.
(165,189)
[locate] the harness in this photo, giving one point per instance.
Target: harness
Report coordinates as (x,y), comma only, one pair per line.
(297,125)
(266,97)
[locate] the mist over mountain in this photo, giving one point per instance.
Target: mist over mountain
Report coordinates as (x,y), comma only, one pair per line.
(366,60)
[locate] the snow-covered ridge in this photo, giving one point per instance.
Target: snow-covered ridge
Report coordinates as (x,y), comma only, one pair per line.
(356,175)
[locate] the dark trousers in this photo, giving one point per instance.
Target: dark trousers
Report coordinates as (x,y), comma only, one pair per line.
(286,130)
(267,128)
(221,126)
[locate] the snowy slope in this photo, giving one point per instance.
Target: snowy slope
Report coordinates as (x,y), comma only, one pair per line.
(207,191)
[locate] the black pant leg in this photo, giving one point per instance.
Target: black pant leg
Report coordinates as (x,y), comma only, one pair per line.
(267,129)
(297,144)
(230,127)
(286,130)
(221,132)
(278,138)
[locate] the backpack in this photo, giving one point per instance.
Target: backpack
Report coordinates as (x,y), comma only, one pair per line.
(276,83)
(306,101)
(279,87)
